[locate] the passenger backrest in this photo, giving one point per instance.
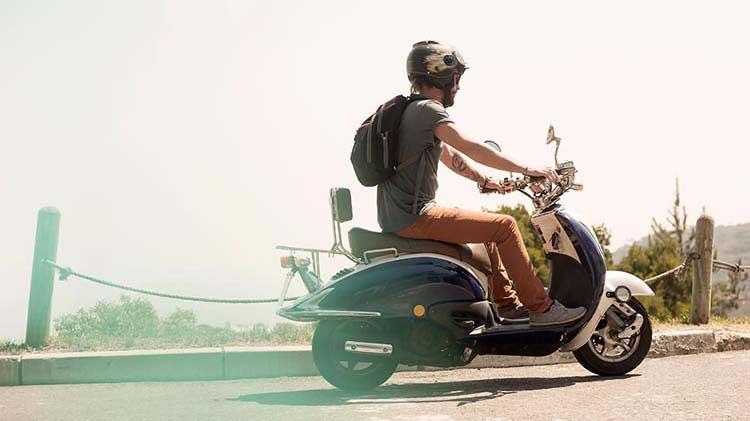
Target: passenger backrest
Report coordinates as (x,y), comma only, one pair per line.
(341,204)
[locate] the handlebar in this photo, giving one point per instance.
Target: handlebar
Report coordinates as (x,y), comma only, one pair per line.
(543,192)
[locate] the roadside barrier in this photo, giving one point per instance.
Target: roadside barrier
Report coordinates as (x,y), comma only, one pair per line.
(65,272)
(45,265)
(43,276)
(700,306)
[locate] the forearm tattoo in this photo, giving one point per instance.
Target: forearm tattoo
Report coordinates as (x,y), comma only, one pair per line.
(458,163)
(462,167)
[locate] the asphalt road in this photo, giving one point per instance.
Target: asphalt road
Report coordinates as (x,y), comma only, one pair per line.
(706,386)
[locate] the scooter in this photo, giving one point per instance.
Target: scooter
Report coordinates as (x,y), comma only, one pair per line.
(419,302)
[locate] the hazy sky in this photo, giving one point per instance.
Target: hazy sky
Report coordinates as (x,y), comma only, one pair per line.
(182,140)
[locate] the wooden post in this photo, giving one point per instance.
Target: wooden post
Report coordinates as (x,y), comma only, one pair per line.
(42,277)
(700,308)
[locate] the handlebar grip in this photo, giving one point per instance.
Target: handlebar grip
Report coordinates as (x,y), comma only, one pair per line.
(485,190)
(534,179)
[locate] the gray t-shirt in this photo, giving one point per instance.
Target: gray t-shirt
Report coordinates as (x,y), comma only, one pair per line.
(397,207)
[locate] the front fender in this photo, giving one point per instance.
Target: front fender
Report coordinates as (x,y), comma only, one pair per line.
(616,278)
(612,280)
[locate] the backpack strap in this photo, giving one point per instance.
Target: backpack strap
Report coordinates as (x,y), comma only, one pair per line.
(412,159)
(418,190)
(419,156)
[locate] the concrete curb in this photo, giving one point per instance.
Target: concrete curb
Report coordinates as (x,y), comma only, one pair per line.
(683,342)
(272,361)
(254,362)
(10,370)
(123,366)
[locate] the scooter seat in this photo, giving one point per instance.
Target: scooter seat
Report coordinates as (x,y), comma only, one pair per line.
(362,240)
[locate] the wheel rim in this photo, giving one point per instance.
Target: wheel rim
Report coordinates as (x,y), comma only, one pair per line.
(608,347)
(351,364)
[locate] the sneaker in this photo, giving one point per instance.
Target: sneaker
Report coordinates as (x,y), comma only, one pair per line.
(557,314)
(513,313)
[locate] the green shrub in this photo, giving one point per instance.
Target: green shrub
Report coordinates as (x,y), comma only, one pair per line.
(131,323)
(13,348)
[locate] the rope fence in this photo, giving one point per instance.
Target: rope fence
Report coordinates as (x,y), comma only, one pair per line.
(680,270)
(731,267)
(65,272)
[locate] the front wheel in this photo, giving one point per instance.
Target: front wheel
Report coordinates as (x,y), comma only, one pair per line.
(346,370)
(620,343)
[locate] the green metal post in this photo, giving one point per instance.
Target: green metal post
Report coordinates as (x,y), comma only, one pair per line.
(42,277)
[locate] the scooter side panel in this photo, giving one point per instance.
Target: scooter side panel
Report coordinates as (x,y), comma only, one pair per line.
(394,288)
(592,263)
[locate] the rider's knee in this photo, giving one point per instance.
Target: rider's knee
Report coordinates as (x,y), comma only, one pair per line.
(508,222)
(507,227)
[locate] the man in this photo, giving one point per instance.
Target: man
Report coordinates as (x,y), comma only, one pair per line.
(406,203)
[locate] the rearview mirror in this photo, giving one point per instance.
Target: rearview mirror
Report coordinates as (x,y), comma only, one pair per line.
(493,145)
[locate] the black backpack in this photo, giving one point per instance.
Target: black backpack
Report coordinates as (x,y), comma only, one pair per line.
(375,150)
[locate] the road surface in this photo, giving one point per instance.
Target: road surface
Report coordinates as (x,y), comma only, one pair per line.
(705,386)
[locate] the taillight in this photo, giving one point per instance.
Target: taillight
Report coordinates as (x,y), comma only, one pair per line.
(287,262)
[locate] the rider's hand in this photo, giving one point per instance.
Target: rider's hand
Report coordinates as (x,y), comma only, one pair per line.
(548,173)
(493,184)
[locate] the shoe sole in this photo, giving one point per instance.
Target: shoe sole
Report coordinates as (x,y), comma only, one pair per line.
(557,322)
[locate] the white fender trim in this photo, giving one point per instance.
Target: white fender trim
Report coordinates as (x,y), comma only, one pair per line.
(616,278)
(612,280)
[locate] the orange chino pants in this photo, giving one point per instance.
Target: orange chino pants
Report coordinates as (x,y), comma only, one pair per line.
(501,237)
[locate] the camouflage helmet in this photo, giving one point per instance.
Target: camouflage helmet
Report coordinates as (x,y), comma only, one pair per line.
(435,61)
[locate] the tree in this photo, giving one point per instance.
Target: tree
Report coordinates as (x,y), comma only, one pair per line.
(726,295)
(672,296)
(605,239)
(677,220)
(666,248)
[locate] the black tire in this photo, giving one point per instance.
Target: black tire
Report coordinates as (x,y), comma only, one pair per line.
(590,360)
(328,351)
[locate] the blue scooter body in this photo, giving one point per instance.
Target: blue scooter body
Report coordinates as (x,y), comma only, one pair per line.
(437,307)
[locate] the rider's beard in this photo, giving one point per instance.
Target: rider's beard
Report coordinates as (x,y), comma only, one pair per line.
(448,98)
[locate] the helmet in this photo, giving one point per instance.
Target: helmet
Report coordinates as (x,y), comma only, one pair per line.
(436,62)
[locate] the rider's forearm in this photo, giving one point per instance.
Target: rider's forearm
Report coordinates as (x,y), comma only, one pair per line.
(485,155)
(460,164)
(477,151)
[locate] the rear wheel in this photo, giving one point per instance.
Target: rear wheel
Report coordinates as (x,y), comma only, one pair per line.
(348,370)
(613,349)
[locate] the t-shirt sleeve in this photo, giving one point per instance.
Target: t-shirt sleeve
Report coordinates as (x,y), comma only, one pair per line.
(434,113)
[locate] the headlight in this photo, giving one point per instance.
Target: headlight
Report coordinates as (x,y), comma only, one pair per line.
(622,294)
